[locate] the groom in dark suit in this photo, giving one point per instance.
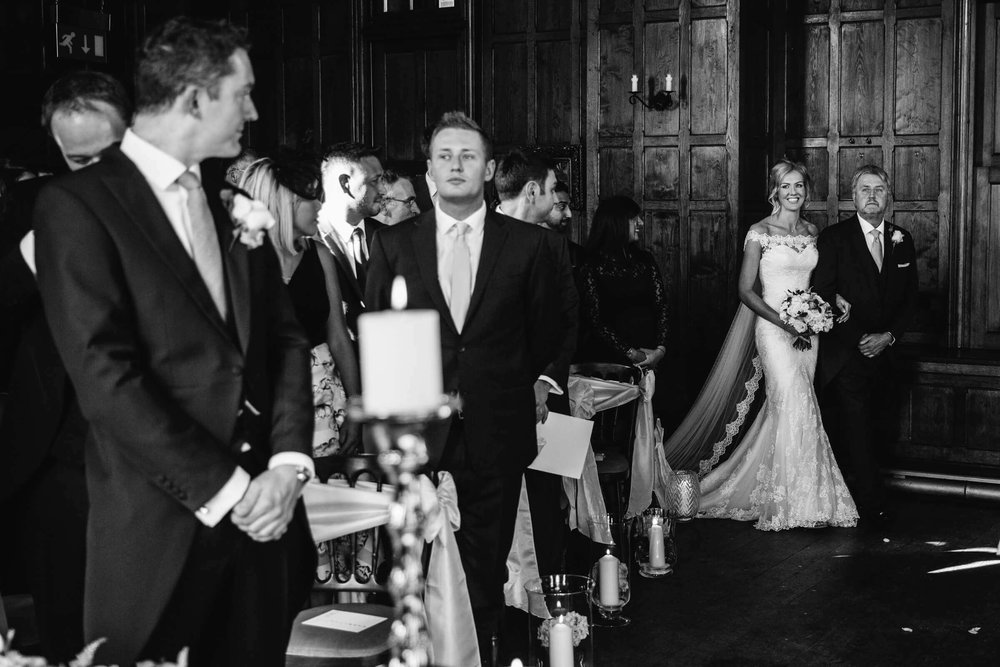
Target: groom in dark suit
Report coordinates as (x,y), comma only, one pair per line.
(190,369)
(872,264)
(489,278)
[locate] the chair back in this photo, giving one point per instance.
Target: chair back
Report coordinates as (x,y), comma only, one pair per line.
(360,562)
(614,428)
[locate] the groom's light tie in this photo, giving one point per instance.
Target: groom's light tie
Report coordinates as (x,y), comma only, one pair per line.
(204,240)
(461,274)
(877,247)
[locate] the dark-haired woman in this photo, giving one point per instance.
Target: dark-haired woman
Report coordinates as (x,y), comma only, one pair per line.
(623,298)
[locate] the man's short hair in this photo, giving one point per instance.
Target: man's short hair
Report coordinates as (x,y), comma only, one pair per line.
(561,186)
(347,153)
(185,52)
(390,177)
(516,169)
(457,120)
(874,170)
(79,90)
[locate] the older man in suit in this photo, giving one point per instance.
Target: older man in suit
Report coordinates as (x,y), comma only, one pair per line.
(191,371)
(42,432)
(872,264)
(489,278)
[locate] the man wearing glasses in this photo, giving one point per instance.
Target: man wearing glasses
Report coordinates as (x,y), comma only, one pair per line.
(400,200)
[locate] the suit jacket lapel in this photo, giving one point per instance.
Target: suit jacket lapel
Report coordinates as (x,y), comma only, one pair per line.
(234,257)
(889,246)
(425,252)
(139,203)
(494,236)
(346,267)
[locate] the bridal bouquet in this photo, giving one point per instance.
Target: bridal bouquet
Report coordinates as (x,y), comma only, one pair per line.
(808,314)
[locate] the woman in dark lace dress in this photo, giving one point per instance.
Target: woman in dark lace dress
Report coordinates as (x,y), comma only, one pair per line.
(624,303)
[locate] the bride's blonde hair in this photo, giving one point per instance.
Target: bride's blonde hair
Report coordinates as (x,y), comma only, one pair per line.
(784,167)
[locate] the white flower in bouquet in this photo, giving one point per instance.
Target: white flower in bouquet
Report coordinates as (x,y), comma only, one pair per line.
(807,313)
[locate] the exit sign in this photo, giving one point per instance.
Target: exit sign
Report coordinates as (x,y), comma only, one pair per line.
(81,34)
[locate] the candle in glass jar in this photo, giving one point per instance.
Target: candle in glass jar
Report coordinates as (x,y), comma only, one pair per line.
(400,354)
(608,572)
(670,84)
(635,83)
(657,555)
(560,644)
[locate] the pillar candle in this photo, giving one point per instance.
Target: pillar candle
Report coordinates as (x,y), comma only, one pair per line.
(657,556)
(670,84)
(400,357)
(608,572)
(560,645)
(635,83)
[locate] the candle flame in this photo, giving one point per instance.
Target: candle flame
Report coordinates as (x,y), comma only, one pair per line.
(397,298)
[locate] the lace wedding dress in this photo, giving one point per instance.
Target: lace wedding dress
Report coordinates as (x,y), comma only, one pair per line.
(783,473)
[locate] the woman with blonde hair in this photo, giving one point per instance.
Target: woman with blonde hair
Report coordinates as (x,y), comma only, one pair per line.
(289,186)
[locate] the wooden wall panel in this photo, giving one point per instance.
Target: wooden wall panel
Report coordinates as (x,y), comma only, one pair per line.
(982,419)
(989,283)
(403,75)
(617,172)
(923,226)
(916,173)
(857,5)
(817,161)
(616,73)
(918,76)
(550,14)
(299,103)
(709,84)
(661,174)
(554,93)
(850,160)
(510,17)
(443,69)
(933,412)
(510,68)
(707,3)
(709,166)
(661,57)
(808,82)
(816,6)
(615,6)
(708,289)
(654,5)
(862,79)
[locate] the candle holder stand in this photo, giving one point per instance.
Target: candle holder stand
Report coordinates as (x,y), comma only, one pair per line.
(655,551)
(661,101)
(402,453)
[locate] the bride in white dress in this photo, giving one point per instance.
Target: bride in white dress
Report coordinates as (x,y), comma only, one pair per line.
(783,473)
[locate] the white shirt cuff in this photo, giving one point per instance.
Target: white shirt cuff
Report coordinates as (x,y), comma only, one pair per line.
(222,502)
(554,387)
(27,246)
(297,459)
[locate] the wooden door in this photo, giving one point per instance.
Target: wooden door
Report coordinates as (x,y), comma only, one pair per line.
(419,65)
(867,81)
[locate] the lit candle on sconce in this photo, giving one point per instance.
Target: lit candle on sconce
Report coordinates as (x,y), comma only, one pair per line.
(400,357)
(670,84)
(635,83)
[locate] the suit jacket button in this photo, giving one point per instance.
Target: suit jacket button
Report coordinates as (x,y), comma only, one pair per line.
(461,349)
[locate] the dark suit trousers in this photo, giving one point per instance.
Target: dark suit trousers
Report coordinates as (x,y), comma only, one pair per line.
(488,504)
(545,492)
(854,389)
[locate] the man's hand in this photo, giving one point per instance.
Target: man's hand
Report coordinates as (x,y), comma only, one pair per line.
(266,508)
(844,306)
(541,396)
(872,345)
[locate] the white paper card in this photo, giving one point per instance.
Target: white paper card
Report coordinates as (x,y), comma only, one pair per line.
(564,442)
(347,621)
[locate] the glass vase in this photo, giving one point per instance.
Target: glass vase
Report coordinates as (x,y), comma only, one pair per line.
(560,625)
(684,491)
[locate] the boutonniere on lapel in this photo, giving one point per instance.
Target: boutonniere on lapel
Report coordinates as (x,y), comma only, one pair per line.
(897,237)
(251,219)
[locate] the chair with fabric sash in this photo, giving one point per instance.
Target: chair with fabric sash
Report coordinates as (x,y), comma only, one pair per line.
(613,434)
(363,569)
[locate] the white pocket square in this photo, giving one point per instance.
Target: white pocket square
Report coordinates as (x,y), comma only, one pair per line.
(902,266)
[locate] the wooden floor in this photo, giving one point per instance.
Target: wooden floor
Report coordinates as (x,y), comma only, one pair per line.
(818,597)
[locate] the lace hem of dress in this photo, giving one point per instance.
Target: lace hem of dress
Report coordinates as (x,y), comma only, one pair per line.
(733,427)
(798,242)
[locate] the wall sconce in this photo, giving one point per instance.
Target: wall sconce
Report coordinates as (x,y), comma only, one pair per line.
(660,101)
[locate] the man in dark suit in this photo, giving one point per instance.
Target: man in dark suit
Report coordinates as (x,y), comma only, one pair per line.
(352,195)
(190,368)
(42,432)
(487,276)
(872,264)
(526,186)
